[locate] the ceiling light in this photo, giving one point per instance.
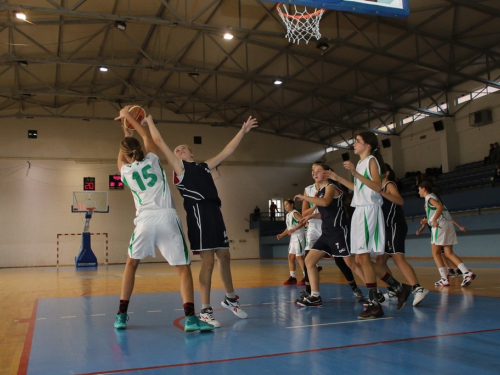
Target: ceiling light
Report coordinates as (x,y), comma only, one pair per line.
(228,35)
(322,46)
(278,81)
(120,25)
(103,68)
(194,74)
(20,15)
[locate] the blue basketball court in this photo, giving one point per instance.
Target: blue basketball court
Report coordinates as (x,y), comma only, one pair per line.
(448,333)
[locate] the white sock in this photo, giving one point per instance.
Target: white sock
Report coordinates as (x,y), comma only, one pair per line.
(462,268)
(443,272)
(292,273)
(314,294)
(205,306)
(231,295)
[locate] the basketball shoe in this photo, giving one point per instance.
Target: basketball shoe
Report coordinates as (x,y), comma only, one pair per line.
(290,281)
(451,273)
(468,277)
(311,301)
(442,282)
(403,295)
(121,321)
(192,324)
(419,294)
(302,296)
(302,282)
(373,311)
(359,295)
(234,306)
(207,315)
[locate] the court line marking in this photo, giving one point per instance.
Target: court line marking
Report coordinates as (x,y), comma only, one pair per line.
(290,353)
(335,323)
(154,311)
(68,317)
(97,314)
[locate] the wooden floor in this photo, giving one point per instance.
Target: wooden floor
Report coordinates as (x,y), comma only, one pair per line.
(20,288)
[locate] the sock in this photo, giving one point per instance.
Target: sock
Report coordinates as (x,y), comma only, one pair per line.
(292,274)
(415,286)
(372,293)
(443,272)
(231,296)
(189,309)
(462,268)
(392,282)
(353,285)
(308,288)
(205,306)
(315,294)
(123,306)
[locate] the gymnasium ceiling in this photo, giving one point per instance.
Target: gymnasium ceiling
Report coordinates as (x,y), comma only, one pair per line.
(172,57)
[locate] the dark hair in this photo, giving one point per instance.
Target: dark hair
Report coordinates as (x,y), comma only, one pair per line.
(131,147)
(291,201)
(392,175)
(427,185)
(372,140)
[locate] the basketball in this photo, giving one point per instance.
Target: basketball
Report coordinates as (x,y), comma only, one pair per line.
(138,113)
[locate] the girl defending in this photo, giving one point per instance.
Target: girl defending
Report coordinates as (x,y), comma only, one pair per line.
(442,234)
(157,223)
(297,241)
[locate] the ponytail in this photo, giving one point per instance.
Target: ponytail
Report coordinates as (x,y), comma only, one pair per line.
(131,147)
(371,139)
(427,185)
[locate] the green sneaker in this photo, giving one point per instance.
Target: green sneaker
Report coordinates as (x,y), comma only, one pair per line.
(192,324)
(121,321)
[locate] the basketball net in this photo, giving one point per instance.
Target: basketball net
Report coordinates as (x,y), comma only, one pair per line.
(300,25)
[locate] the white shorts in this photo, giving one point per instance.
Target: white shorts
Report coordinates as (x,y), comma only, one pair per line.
(161,229)
(297,244)
(444,234)
(312,235)
(368,230)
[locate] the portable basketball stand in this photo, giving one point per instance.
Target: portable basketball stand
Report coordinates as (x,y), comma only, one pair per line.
(88,203)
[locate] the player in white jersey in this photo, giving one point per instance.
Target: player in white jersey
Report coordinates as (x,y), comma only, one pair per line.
(442,234)
(156,222)
(367,224)
(296,248)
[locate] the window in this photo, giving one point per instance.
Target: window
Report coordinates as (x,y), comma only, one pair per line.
(280,214)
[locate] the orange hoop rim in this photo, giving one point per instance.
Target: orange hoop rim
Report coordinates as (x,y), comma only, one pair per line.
(320,10)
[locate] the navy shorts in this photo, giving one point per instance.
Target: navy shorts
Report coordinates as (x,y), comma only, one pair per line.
(334,242)
(395,236)
(206,229)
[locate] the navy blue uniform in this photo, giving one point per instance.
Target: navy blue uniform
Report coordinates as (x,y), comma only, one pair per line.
(334,227)
(396,228)
(206,228)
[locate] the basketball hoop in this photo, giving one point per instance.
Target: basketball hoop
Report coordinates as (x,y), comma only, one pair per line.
(300,25)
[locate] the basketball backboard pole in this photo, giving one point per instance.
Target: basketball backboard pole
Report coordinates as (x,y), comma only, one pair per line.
(88,203)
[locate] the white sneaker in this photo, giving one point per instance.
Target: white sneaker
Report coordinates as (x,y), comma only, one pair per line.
(418,295)
(207,315)
(442,282)
(391,295)
(468,277)
(234,307)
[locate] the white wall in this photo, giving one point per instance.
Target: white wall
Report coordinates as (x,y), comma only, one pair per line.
(36,196)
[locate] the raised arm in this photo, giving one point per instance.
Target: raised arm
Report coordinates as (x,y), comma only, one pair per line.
(325,201)
(143,132)
(172,160)
(121,158)
(335,177)
(231,146)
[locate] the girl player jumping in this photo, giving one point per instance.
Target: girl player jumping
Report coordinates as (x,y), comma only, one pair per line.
(206,228)
(157,223)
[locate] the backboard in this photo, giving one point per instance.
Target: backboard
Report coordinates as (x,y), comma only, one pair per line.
(85,200)
(385,8)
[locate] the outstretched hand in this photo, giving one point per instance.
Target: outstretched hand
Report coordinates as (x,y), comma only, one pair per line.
(331,175)
(249,124)
(147,120)
(298,197)
(123,112)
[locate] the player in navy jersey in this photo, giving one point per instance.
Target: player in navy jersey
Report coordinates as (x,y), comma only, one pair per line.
(396,230)
(206,228)
(334,239)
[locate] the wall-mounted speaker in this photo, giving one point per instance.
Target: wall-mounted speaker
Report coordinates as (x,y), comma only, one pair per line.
(438,125)
(386,143)
(197,140)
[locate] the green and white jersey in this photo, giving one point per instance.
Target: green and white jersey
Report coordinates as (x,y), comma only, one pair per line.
(363,195)
(146,180)
(430,210)
(311,191)
(292,222)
